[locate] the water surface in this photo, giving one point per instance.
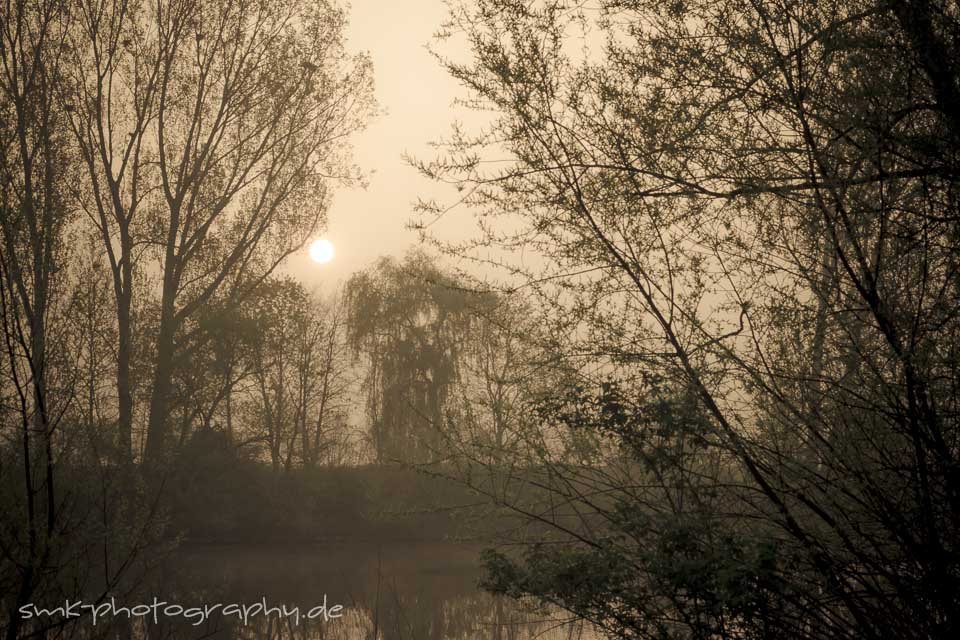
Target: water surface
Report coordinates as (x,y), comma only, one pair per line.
(383,591)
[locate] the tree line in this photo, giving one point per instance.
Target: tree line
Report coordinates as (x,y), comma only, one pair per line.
(160,160)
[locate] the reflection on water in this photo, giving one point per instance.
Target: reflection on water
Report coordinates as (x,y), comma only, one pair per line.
(395,592)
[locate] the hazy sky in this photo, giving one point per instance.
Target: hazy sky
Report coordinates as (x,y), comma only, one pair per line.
(416,94)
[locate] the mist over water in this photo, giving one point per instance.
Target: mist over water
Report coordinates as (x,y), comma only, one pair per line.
(386,591)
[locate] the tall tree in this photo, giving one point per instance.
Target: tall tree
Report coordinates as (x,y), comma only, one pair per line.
(326,381)
(33,220)
(749,207)
(298,374)
(503,370)
(211,133)
(282,318)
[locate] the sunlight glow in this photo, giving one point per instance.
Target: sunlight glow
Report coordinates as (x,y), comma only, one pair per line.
(321,251)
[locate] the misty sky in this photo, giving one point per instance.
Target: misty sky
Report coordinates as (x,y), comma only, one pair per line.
(416,94)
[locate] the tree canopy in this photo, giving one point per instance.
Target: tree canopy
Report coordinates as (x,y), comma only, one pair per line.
(748,208)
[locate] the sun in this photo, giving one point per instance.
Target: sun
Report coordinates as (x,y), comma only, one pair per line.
(321,251)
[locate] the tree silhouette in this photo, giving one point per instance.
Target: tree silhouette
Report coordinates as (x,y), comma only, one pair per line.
(752,203)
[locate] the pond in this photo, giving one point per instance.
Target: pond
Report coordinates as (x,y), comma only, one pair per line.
(339,591)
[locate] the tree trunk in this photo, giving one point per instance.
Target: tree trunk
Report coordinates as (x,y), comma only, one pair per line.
(124,387)
(162,382)
(229,408)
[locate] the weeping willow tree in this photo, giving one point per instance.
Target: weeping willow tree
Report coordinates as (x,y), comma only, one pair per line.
(408,322)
